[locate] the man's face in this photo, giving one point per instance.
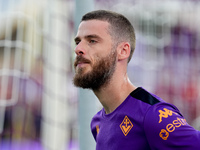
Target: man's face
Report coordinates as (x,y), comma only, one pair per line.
(96,56)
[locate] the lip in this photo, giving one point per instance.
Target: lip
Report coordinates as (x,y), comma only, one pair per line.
(81,64)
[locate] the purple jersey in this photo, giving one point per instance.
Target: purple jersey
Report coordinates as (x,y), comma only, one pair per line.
(143,122)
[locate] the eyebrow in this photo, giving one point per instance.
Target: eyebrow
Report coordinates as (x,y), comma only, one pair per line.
(88,37)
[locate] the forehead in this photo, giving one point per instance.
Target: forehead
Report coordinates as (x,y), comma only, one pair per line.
(93,27)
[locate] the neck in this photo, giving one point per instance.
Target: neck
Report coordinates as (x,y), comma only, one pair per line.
(115,92)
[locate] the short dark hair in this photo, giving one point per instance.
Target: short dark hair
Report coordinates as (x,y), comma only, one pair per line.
(120,30)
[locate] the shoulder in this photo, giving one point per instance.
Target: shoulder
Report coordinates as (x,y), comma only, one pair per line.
(164,124)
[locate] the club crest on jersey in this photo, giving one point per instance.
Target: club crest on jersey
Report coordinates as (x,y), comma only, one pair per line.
(165,113)
(126,125)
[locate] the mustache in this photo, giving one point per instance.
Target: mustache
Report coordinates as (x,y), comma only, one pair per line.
(81,59)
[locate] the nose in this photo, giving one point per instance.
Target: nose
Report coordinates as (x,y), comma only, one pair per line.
(79,50)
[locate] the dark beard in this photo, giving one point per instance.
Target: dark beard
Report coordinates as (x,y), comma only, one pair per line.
(100,74)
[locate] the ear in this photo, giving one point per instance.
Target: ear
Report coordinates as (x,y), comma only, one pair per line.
(123,50)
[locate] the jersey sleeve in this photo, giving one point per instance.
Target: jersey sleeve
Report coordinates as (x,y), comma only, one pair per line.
(166,128)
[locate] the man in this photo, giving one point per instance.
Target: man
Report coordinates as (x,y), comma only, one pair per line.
(131,118)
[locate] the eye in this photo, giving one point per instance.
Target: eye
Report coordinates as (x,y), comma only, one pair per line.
(77,42)
(92,41)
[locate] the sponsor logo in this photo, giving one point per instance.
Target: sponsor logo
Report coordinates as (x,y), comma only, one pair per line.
(164,133)
(126,125)
(165,113)
(97,129)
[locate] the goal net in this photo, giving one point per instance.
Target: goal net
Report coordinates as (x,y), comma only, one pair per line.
(35,71)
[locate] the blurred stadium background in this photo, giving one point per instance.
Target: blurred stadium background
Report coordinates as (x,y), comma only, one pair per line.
(40,109)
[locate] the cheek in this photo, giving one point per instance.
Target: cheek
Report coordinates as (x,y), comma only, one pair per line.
(101,52)
(94,58)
